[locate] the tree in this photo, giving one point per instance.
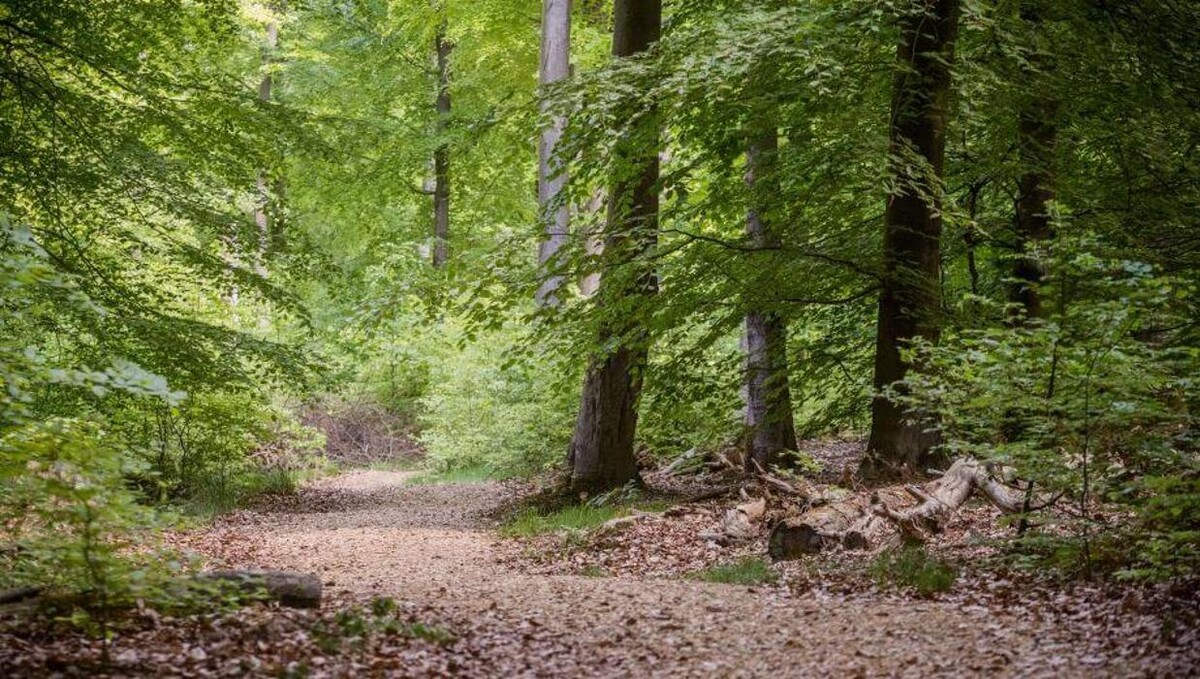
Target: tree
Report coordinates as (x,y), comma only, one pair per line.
(910,299)
(441,155)
(261,217)
(768,398)
(555,66)
(1037,134)
(601,454)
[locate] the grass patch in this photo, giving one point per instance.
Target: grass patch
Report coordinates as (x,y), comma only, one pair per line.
(462,476)
(594,571)
(571,519)
(913,568)
(750,570)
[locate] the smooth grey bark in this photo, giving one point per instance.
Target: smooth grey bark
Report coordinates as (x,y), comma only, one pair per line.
(261,217)
(555,67)
(768,396)
(910,300)
(602,454)
(441,156)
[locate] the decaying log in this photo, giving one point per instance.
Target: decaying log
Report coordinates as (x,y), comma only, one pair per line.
(847,523)
(19,594)
(738,523)
(691,460)
(289,588)
(860,522)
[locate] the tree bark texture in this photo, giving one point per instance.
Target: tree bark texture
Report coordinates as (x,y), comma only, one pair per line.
(602,453)
(1037,136)
(910,301)
(441,155)
(555,213)
(768,397)
(261,217)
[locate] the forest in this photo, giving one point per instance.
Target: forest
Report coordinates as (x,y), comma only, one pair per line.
(620,338)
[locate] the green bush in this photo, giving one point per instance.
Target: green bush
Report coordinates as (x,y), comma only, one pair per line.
(1093,403)
(71,522)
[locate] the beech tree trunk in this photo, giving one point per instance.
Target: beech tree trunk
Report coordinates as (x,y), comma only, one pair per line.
(910,301)
(261,217)
(441,156)
(768,398)
(1037,135)
(555,66)
(602,454)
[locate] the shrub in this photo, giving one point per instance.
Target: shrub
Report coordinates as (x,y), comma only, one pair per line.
(1093,403)
(71,522)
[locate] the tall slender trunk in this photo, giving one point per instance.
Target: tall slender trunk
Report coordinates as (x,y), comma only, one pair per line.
(602,454)
(261,216)
(441,155)
(593,245)
(768,397)
(910,301)
(555,66)
(1037,135)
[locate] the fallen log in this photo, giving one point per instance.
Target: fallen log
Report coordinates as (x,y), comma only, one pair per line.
(289,588)
(861,521)
(19,594)
(738,523)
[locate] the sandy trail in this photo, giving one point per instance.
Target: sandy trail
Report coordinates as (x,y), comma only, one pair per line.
(431,545)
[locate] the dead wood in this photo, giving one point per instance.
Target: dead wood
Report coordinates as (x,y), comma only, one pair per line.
(19,594)
(738,523)
(862,522)
(289,588)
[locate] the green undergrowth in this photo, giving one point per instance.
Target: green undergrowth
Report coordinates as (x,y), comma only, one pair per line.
(749,570)
(913,568)
(210,498)
(571,519)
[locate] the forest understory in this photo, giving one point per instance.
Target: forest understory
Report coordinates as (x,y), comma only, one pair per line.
(424,579)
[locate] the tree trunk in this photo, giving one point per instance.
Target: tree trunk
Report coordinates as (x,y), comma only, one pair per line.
(910,301)
(555,66)
(593,244)
(441,156)
(1037,135)
(602,454)
(768,398)
(261,219)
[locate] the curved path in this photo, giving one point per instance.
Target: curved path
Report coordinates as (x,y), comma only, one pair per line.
(369,534)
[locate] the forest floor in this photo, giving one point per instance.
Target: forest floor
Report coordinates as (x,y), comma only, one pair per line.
(468,602)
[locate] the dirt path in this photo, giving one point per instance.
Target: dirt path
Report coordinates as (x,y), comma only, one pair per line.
(368,534)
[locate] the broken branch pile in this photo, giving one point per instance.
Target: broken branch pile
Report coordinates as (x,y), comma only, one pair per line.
(864,521)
